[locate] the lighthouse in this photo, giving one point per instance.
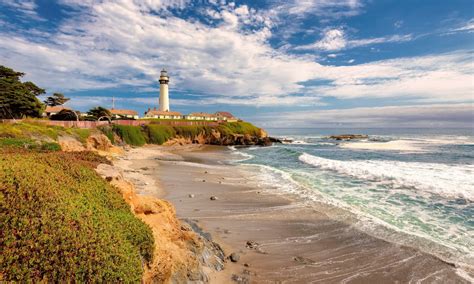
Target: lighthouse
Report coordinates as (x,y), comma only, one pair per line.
(164,97)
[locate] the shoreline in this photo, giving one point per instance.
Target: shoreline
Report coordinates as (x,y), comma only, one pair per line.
(289,241)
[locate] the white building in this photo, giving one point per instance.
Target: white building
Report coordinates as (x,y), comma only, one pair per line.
(163,114)
(226,116)
(123,113)
(164,96)
(201,116)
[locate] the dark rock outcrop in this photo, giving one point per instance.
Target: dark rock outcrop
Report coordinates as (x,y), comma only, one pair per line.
(348,136)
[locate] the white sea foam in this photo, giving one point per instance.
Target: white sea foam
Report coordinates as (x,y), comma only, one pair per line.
(268,177)
(300,142)
(396,145)
(442,179)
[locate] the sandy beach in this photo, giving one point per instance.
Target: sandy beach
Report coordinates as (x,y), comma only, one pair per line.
(277,238)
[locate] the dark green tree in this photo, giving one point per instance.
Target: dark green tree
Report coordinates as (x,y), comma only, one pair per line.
(65,114)
(18,99)
(98,112)
(56,99)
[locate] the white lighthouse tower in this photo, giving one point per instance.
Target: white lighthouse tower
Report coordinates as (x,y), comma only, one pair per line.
(164,97)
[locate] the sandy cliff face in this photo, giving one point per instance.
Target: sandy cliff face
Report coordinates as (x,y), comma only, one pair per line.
(180,254)
(96,142)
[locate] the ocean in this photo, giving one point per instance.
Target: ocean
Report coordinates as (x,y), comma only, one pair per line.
(413,187)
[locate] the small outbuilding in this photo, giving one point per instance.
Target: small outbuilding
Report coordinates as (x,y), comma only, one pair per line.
(52,110)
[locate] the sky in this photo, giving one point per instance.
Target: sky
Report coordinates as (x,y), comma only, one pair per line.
(276,63)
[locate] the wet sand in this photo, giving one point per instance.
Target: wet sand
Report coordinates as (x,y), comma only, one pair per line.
(291,241)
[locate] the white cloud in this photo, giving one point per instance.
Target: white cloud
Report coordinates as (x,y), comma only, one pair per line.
(446,77)
(25,7)
(125,45)
(321,8)
(435,115)
(333,39)
(336,39)
(378,40)
(466,27)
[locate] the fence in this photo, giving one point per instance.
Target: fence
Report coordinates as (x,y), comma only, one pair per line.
(94,124)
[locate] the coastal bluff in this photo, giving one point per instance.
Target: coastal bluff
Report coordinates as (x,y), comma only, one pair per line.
(216,137)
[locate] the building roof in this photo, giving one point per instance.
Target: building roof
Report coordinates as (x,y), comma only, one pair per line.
(225,114)
(203,114)
(160,112)
(123,112)
(55,109)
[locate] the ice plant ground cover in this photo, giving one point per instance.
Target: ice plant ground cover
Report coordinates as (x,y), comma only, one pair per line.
(62,221)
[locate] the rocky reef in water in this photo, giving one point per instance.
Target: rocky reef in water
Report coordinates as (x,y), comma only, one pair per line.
(348,137)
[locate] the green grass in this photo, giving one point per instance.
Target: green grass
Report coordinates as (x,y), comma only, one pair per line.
(28,129)
(159,134)
(132,135)
(16,142)
(239,128)
(40,131)
(27,143)
(61,222)
(192,131)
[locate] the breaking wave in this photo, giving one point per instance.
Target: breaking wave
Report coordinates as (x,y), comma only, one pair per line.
(442,179)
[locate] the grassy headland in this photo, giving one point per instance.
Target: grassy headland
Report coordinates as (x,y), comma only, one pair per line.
(159,134)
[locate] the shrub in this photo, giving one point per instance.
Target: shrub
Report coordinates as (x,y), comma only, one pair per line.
(159,134)
(16,142)
(50,146)
(29,144)
(131,135)
(65,114)
(61,222)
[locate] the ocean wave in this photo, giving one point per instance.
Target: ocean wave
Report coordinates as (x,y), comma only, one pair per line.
(243,156)
(395,145)
(441,179)
(439,241)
